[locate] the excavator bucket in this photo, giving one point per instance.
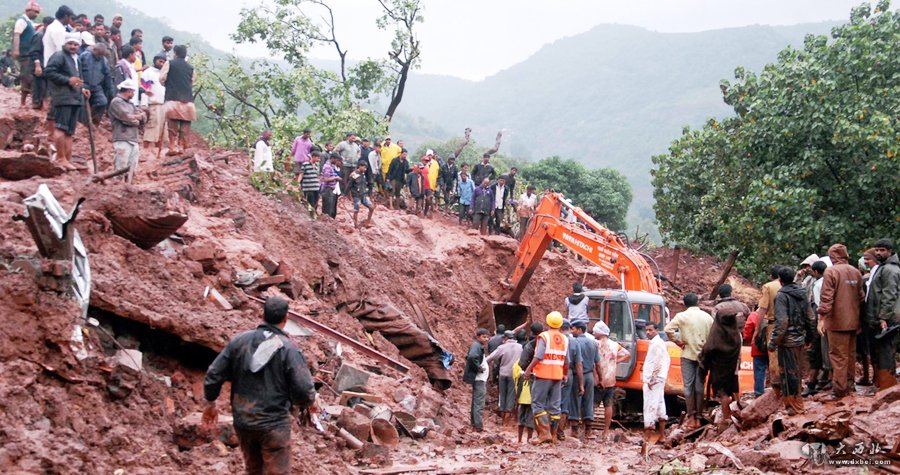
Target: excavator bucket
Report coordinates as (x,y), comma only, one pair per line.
(508,314)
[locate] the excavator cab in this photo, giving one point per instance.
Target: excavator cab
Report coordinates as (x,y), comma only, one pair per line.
(613,308)
(508,314)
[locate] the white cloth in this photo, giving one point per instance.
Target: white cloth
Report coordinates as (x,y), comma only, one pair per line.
(374,161)
(262,157)
(817,291)
(483,375)
(656,363)
(498,200)
(21,24)
(656,370)
(150,82)
(54,39)
(528,201)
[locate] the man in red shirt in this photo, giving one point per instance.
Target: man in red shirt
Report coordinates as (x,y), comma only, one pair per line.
(760,356)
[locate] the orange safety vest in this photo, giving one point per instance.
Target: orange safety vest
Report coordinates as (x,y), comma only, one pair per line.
(556,347)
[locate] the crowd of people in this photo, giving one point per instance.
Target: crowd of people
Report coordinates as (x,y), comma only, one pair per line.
(95,77)
(813,324)
(371,172)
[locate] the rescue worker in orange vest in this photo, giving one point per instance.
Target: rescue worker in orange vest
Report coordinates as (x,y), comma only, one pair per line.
(549,367)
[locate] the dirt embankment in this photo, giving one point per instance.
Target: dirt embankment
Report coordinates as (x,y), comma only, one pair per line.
(59,414)
(62,415)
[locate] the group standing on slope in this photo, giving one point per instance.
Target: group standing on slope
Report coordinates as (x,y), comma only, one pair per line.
(94,78)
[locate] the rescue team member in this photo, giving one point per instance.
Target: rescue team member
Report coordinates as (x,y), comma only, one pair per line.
(268,375)
(549,368)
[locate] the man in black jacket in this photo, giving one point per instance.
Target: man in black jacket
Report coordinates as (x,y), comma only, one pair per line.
(447,178)
(63,73)
(791,330)
(396,177)
(268,375)
(476,374)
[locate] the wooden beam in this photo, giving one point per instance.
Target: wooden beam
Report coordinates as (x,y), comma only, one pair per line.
(323,329)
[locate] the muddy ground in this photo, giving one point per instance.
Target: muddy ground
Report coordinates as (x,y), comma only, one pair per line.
(61,414)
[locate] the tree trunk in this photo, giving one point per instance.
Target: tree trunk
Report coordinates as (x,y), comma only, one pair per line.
(401,85)
(729,263)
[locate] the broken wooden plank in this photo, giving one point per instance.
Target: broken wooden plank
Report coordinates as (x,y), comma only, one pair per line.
(314,325)
(398,469)
(347,395)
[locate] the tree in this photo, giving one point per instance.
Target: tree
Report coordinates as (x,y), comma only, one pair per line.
(289,31)
(603,193)
(809,159)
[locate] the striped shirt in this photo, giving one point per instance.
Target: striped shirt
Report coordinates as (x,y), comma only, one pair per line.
(310,180)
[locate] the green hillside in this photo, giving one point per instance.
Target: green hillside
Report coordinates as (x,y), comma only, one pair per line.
(612,96)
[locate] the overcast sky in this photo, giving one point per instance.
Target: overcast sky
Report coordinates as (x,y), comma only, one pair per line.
(473,39)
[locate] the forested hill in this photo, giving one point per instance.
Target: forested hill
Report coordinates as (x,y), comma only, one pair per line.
(612,96)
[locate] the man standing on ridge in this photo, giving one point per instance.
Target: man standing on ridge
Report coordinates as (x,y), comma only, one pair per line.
(549,367)
(791,329)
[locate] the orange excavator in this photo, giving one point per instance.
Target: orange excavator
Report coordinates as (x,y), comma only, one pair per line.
(638,299)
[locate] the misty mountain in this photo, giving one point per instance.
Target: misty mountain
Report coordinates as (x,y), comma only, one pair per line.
(613,96)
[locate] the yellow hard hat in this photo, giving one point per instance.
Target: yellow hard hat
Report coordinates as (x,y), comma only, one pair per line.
(554,319)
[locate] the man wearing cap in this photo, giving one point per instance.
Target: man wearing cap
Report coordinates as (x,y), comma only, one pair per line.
(23,32)
(126,119)
(97,79)
(609,355)
(507,355)
(549,368)
(63,73)
(434,170)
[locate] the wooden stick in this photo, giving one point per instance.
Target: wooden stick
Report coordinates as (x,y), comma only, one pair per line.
(106,176)
(727,270)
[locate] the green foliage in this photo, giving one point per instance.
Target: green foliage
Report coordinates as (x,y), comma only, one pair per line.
(809,160)
(243,98)
(603,193)
(6,31)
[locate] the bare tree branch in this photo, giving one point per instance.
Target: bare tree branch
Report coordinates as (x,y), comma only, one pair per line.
(459,149)
(496,144)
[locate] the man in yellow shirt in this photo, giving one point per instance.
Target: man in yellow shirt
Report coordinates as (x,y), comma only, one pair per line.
(767,309)
(389,151)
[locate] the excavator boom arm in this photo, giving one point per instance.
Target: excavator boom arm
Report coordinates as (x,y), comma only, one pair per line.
(591,241)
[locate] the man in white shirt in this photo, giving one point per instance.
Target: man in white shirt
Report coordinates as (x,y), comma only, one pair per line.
(654,375)
(262,153)
(155,92)
(55,36)
(500,199)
